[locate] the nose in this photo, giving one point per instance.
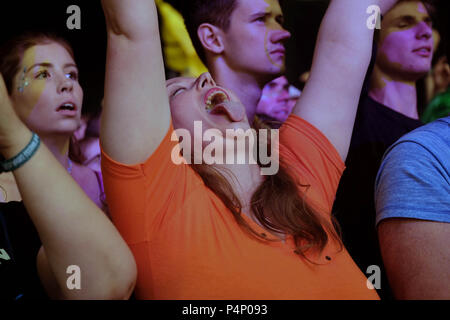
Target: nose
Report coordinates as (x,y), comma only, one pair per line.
(284,96)
(280,35)
(205,80)
(65,85)
(424,31)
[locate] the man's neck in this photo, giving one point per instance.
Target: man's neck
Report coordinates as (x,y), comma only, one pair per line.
(400,96)
(245,86)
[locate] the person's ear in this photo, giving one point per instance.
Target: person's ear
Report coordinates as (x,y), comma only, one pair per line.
(210,37)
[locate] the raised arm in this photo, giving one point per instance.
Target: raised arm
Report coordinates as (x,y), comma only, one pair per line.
(136,115)
(72,229)
(342,55)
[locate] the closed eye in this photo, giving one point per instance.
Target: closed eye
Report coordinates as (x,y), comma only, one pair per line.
(178,91)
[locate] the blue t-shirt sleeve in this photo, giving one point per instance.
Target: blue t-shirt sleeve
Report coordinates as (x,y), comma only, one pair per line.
(412,183)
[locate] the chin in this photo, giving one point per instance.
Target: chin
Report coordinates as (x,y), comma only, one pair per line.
(238,125)
(66,130)
(418,73)
(268,75)
(278,69)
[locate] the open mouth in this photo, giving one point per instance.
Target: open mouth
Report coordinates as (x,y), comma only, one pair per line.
(67,107)
(214,98)
(218,102)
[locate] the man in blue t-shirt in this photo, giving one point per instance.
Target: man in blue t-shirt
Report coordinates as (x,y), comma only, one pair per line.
(412,196)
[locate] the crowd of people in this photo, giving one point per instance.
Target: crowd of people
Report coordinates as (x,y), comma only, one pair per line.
(361,181)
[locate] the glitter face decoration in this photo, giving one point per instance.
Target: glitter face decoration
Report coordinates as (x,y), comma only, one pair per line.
(23,81)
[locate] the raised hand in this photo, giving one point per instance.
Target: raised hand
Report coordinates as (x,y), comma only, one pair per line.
(136,116)
(14,135)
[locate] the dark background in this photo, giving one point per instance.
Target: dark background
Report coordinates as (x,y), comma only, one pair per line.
(302,19)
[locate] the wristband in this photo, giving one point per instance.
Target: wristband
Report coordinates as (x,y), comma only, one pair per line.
(26,154)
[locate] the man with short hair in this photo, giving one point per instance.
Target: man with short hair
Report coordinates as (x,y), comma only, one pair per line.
(404,55)
(241,43)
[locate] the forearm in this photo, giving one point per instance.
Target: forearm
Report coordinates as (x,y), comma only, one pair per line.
(345,27)
(136,110)
(134,19)
(72,229)
(330,98)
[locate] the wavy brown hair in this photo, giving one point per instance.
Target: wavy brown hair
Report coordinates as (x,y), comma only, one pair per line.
(277,204)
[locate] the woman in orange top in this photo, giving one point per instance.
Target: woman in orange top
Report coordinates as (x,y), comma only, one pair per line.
(224,231)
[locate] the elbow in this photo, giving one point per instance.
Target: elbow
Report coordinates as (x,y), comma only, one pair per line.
(121,284)
(115,282)
(124,290)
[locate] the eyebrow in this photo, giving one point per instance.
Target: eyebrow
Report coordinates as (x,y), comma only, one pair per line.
(426,18)
(259,14)
(279,17)
(169,86)
(50,65)
(173,83)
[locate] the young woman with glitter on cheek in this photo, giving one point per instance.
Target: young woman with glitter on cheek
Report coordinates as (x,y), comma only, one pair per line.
(46,82)
(42,80)
(55,227)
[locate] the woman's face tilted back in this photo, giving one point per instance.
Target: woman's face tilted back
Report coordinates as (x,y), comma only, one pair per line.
(201,100)
(46,93)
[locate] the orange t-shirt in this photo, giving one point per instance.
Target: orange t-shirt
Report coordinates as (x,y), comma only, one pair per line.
(187,245)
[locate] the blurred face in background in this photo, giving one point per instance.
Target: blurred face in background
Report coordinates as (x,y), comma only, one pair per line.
(276,101)
(441,75)
(405,45)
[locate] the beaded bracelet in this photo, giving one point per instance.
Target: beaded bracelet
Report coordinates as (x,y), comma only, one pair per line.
(26,154)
